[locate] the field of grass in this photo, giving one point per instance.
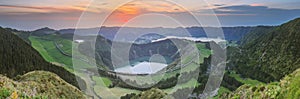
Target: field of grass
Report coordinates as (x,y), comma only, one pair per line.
(48,50)
(101,88)
(221,91)
(38,85)
(50,53)
(65,45)
(244,80)
(204,52)
(105,80)
(190,84)
(36,44)
(116,92)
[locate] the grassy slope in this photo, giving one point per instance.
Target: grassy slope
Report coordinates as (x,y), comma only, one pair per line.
(36,44)
(38,84)
(65,45)
(204,52)
(190,84)
(103,80)
(287,88)
(244,80)
(153,93)
(19,57)
(51,54)
(247,81)
(48,50)
(109,93)
(222,91)
(270,55)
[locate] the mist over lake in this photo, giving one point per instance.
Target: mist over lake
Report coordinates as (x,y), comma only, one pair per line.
(142,68)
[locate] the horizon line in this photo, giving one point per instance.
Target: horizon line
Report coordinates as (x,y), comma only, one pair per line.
(56,29)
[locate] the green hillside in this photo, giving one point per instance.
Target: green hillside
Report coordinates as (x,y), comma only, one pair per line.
(287,88)
(54,48)
(38,85)
(22,34)
(272,54)
(46,47)
(18,57)
(266,54)
(153,93)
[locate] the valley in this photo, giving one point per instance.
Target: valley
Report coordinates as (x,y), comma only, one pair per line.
(46,44)
(168,63)
(149,49)
(57,49)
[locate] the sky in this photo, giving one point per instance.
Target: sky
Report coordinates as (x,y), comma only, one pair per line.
(61,14)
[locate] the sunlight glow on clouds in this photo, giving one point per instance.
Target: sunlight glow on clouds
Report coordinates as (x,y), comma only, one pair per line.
(32,14)
(38,9)
(128,11)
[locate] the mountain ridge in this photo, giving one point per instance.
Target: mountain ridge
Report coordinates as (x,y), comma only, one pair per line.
(38,85)
(287,88)
(271,56)
(18,57)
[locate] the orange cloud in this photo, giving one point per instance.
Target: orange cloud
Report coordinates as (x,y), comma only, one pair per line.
(256,4)
(124,13)
(42,9)
(159,6)
(128,11)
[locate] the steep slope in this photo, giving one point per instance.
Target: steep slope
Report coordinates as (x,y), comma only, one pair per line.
(153,93)
(287,88)
(271,55)
(18,57)
(259,31)
(22,34)
(38,85)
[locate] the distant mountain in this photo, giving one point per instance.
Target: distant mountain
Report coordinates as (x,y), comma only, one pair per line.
(230,33)
(17,58)
(43,31)
(38,85)
(270,53)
